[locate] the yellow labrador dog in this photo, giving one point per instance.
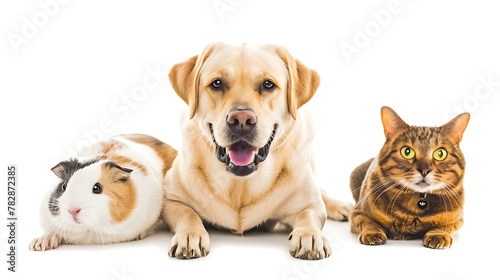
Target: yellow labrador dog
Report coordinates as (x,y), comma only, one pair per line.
(246,159)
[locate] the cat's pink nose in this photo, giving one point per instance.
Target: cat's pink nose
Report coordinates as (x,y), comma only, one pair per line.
(424,167)
(424,171)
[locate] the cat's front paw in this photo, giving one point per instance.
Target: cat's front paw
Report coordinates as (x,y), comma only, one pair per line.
(372,238)
(437,240)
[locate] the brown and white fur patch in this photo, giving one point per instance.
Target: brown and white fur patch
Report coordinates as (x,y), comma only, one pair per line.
(111,194)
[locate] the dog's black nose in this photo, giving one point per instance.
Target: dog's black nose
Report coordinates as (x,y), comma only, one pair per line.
(241,120)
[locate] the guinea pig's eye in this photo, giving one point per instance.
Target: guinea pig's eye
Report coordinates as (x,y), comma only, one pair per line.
(268,85)
(63,186)
(216,84)
(97,188)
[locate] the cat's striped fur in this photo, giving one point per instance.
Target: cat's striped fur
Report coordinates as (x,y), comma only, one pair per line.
(416,163)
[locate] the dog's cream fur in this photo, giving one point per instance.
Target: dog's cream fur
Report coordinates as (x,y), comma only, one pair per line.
(283,188)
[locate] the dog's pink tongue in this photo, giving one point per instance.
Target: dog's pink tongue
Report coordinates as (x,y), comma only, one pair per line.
(242,157)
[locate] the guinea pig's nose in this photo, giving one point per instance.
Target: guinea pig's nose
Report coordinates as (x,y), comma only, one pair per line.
(75,212)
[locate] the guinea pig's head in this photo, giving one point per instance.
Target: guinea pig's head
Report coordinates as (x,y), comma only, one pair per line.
(91,195)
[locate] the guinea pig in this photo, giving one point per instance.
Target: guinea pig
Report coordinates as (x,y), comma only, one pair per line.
(111,194)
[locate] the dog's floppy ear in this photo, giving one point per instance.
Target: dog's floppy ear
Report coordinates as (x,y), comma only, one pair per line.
(302,81)
(185,77)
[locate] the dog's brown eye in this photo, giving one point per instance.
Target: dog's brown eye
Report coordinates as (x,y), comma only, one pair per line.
(268,85)
(216,84)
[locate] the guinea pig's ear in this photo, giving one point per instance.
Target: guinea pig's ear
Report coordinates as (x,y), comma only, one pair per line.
(60,170)
(118,173)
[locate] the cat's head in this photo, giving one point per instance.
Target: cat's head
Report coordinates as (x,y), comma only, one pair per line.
(422,158)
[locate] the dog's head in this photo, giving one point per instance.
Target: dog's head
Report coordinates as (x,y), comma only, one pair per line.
(242,98)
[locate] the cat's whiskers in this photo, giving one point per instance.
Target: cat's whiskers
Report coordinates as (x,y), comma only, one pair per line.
(387,183)
(451,193)
(369,183)
(375,188)
(446,208)
(450,189)
(404,185)
(415,198)
(387,188)
(384,184)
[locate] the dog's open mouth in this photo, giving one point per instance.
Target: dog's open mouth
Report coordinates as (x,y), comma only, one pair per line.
(241,158)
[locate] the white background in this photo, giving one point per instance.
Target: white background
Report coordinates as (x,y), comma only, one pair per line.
(64,80)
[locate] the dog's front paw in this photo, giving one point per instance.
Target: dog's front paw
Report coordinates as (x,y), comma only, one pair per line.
(45,242)
(190,244)
(309,244)
(437,240)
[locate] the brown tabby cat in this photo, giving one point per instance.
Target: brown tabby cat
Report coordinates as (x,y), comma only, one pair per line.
(413,188)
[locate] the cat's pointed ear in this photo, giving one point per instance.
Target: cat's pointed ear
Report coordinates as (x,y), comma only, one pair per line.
(393,124)
(455,128)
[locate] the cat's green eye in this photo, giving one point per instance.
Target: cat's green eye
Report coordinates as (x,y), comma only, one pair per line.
(440,154)
(407,152)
